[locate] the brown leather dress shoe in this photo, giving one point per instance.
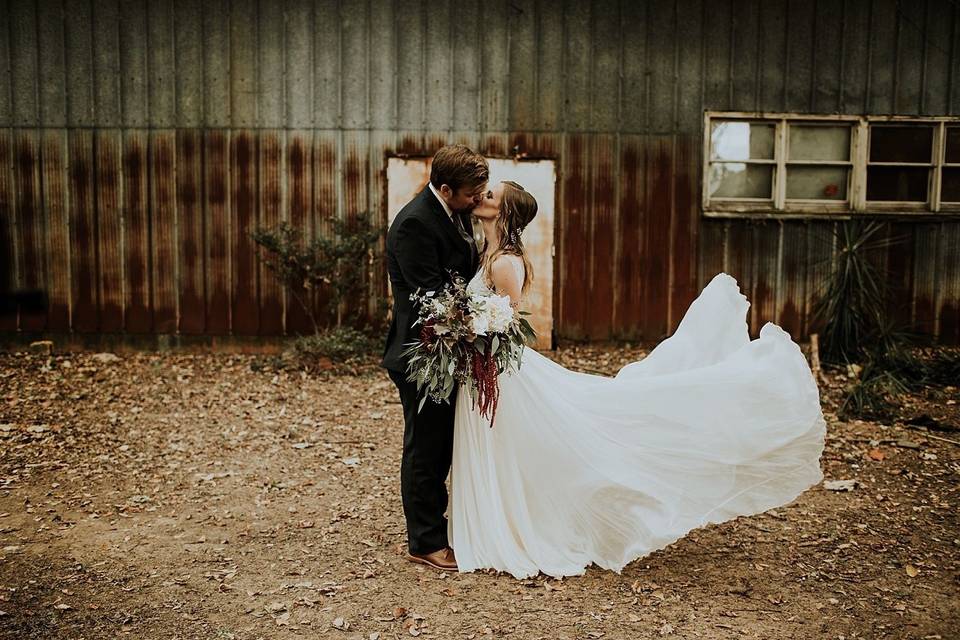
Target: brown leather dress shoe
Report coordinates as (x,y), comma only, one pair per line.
(442,559)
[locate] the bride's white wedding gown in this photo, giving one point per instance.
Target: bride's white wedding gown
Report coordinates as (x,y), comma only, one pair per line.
(582,469)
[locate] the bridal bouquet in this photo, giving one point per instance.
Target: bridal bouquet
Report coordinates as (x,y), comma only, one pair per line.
(466,338)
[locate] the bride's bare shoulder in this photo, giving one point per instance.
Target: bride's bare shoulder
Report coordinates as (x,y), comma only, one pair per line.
(506,272)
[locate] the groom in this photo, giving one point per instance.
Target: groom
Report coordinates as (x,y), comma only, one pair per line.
(430,235)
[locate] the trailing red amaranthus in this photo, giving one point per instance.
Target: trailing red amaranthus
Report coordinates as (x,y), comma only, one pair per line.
(466,339)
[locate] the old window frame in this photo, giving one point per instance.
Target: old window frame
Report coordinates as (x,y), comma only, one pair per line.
(856,203)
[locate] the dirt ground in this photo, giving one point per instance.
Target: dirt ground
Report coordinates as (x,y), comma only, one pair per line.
(211,496)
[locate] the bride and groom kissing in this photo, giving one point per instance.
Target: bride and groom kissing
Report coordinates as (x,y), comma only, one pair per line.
(584,469)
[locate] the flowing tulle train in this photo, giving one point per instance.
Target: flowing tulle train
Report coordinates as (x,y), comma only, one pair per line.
(582,469)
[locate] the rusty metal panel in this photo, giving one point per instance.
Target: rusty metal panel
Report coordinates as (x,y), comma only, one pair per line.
(189,80)
(106,63)
(661,66)
(882,57)
(948,288)
(912,41)
(821,252)
(411,80)
(628,279)
(494,58)
(243,189)
(299,207)
(163,229)
(711,249)
(718,73)
(799,69)
(598,298)
(773,54)
(829,55)
(690,62)
(438,105)
(83,231)
(81,108)
(6,96)
(325,182)
(745,35)
(161,60)
(549,65)
(270,72)
(938,58)
(573,238)
(8,247)
(356,51)
(900,263)
(298,62)
(791,290)
(926,241)
(23,63)
(243,65)
(577,66)
(53,157)
(633,81)
(465,88)
(856,38)
(30,222)
(133,64)
(605,65)
(326,32)
(218,218)
(51,65)
(763,283)
(522,79)
(109,214)
(138,307)
(656,246)
(191,254)
(217,110)
(270,188)
(685,226)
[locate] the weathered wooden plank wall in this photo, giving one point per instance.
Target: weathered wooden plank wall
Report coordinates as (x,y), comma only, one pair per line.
(141,142)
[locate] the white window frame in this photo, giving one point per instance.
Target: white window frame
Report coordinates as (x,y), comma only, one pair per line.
(856,202)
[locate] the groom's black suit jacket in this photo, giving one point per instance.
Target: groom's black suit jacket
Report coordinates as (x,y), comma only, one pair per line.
(422,243)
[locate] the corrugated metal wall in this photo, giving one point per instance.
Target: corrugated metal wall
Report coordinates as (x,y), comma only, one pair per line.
(141,141)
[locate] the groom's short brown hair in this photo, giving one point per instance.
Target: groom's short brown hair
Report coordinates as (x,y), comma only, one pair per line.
(457,166)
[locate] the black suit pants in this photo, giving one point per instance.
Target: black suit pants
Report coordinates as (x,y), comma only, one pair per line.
(427,454)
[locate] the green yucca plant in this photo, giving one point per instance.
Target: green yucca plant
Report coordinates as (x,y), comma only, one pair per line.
(852,306)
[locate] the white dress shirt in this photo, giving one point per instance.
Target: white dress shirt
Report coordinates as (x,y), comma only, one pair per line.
(443,202)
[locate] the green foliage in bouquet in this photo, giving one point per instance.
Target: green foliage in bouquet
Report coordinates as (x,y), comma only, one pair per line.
(465,339)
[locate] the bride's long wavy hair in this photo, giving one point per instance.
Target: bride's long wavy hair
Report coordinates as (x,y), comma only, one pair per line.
(517,208)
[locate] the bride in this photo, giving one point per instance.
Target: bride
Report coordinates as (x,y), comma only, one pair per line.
(583,469)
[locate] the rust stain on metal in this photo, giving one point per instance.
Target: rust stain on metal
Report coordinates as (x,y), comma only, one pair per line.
(218,220)
(574,239)
(83,236)
(628,279)
(30,225)
(164,239)
(245,312)
(271,160)
(656,250)
(138,316)
(299,172)
(109,232)
(190,223)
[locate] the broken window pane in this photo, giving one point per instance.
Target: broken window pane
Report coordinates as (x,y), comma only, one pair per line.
(741,141)
(902,184)
(813,142)
(817,183)
(901,143)
(739,180)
